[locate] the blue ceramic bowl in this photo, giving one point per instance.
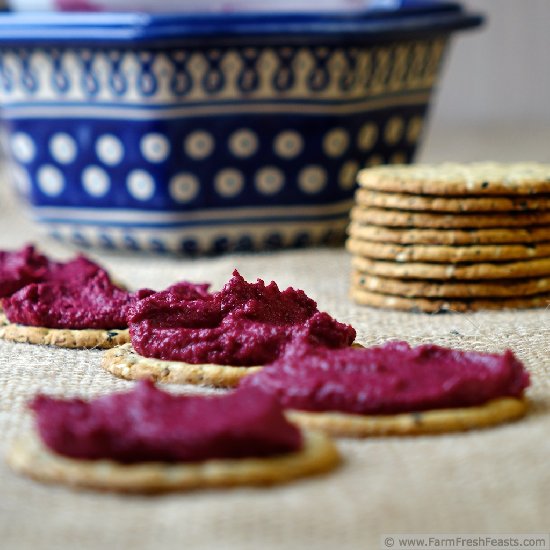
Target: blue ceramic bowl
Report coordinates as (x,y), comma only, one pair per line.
(200,134)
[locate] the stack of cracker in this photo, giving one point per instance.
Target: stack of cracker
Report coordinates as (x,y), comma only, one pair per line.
(452,237)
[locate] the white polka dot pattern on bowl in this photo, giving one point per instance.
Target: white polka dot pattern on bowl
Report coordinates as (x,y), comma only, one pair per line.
(336,142)
(243,143)
(393,132)
(312,179)
(414,129)
(63,148)
(269,180)
(141,185)
(184,187)
(229,182)
(95,181)
(50,180)
(155,147)
(288,144)
(199,145)
(194,167)
(22,147)
(21,179)
(348,172)
(368,134)
(109,150)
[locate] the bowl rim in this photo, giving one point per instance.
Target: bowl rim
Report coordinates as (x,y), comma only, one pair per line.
(414,18)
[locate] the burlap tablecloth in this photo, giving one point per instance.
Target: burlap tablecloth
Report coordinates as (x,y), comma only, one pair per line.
(495,480)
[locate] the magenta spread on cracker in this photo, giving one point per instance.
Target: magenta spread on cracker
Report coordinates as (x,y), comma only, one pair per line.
(244,324)
(19,268)
(147,424)
(388,379)
(77,270)
(93,302)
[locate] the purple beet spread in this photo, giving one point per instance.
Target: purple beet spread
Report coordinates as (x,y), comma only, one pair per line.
(79,269)
(89,303)
(19,268)
(147,424)
(243,324)
(388,379)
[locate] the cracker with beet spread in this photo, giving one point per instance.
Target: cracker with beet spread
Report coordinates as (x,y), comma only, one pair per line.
(72,304)
(218,338)
(19,268)
(394,389)
(147,440)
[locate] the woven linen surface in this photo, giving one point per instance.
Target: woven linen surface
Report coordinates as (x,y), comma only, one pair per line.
(493,480)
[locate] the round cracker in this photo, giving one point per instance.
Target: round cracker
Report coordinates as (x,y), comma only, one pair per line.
(418,270)
(430,203)
(501,235)
(447,254)
(124,362)
(435,421)
(481,178)
(433,289)
(30,457)
(400,218)
(62,337)
(438,305)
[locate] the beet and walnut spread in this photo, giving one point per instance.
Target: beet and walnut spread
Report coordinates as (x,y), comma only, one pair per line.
(78,270)
(19,268)
(388,379)
(89,302)
(147,424)
(244,324)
